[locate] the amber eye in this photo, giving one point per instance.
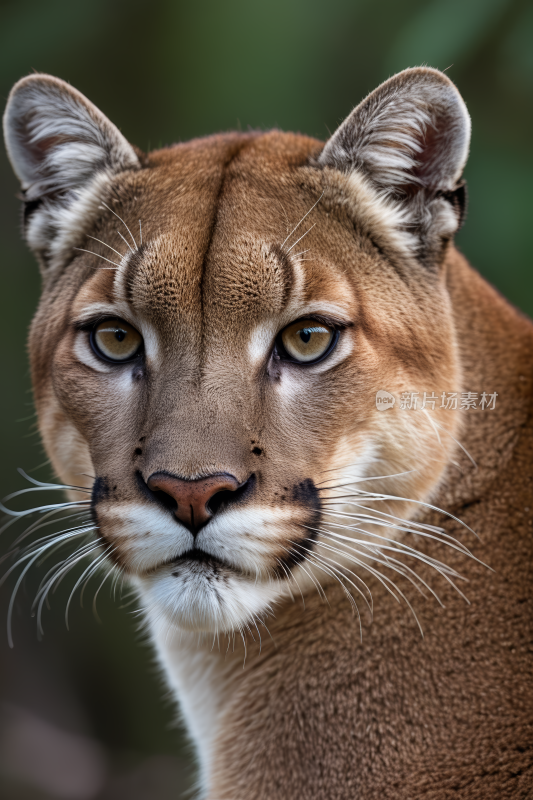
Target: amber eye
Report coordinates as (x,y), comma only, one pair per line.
(115,340)
(308,340)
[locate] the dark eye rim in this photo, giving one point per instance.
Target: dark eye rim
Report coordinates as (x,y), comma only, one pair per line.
(281,353)
(91,328)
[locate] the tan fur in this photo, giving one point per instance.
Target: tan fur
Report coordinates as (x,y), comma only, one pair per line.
(315,712)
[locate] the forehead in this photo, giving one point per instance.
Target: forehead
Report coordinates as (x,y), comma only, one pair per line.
(225,231)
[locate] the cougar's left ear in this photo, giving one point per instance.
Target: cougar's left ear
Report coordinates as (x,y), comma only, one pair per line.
(410,140)
(64,151)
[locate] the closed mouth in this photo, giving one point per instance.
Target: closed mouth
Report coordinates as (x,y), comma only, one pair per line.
(199,557)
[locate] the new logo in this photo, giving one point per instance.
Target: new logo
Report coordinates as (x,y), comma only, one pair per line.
(384,400)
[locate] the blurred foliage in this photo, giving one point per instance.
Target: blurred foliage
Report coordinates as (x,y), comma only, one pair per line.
(165,71)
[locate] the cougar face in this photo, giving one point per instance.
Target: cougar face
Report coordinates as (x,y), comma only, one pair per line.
(216,321)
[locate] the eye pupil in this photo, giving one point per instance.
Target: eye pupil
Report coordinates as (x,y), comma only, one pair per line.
(307,341)
(116,340)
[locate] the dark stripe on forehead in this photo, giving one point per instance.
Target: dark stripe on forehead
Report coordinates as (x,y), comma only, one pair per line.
(287,271)
(232,153)
(133,264)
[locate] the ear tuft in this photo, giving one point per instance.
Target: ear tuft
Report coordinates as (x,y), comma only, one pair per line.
(63,150)
(410,139)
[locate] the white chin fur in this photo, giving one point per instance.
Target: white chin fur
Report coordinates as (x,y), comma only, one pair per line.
(203,597)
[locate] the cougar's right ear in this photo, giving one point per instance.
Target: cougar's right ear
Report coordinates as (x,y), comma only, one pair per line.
(64,151)
(407,144)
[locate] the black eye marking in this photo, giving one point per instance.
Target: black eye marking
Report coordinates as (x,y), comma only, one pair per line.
(257,451)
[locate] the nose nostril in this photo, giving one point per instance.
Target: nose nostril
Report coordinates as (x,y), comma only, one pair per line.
(224,498)
(165,499)
(194,502)
(220,499)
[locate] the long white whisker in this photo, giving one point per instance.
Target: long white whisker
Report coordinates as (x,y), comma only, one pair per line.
(302,253)
(106,245)
(358,589)
(379,496)
(391,544)
(442,428)
(61,570)
(317,561)
(302,219)
(258,633)
(52,571)
(96,565)
(443,538)
(438,566)
(342,572)
(316,583)
(91,567)
(282,565)
(28,489)
(290,577)
(55,540)
(126,242)
(387,583)
(38,524)
(424,526)
(47,581)
(58,537)
(432,423)
(55,506)
(403,569)
(383,578)
(51,485)
(401,549)
(120,218)
(120,573)
(385,560)
(359,479)
(83,250)
(95,611)
(32,558)
(301,237)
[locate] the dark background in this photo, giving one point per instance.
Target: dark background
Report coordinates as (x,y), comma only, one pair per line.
(84,713)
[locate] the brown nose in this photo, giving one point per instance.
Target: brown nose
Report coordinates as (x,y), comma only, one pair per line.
(192,497)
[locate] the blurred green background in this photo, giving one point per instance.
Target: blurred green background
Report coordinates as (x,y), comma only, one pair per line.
(84,714)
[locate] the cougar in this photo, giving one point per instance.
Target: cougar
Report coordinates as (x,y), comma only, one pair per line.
(300,426)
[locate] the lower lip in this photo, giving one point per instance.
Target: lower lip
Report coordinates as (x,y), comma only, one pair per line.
(197,557)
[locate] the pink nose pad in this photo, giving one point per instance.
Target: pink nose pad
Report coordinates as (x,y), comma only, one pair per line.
(192,497)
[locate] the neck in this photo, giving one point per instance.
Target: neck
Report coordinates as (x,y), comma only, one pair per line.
(495,346)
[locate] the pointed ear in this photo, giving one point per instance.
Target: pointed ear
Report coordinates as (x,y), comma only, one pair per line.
(64,151)
(409,139)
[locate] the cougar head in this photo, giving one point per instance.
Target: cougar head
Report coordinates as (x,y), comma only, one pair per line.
(216,322)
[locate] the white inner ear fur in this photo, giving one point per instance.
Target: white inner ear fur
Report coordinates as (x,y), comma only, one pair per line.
(412,131)
(58,226)
(64,152)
